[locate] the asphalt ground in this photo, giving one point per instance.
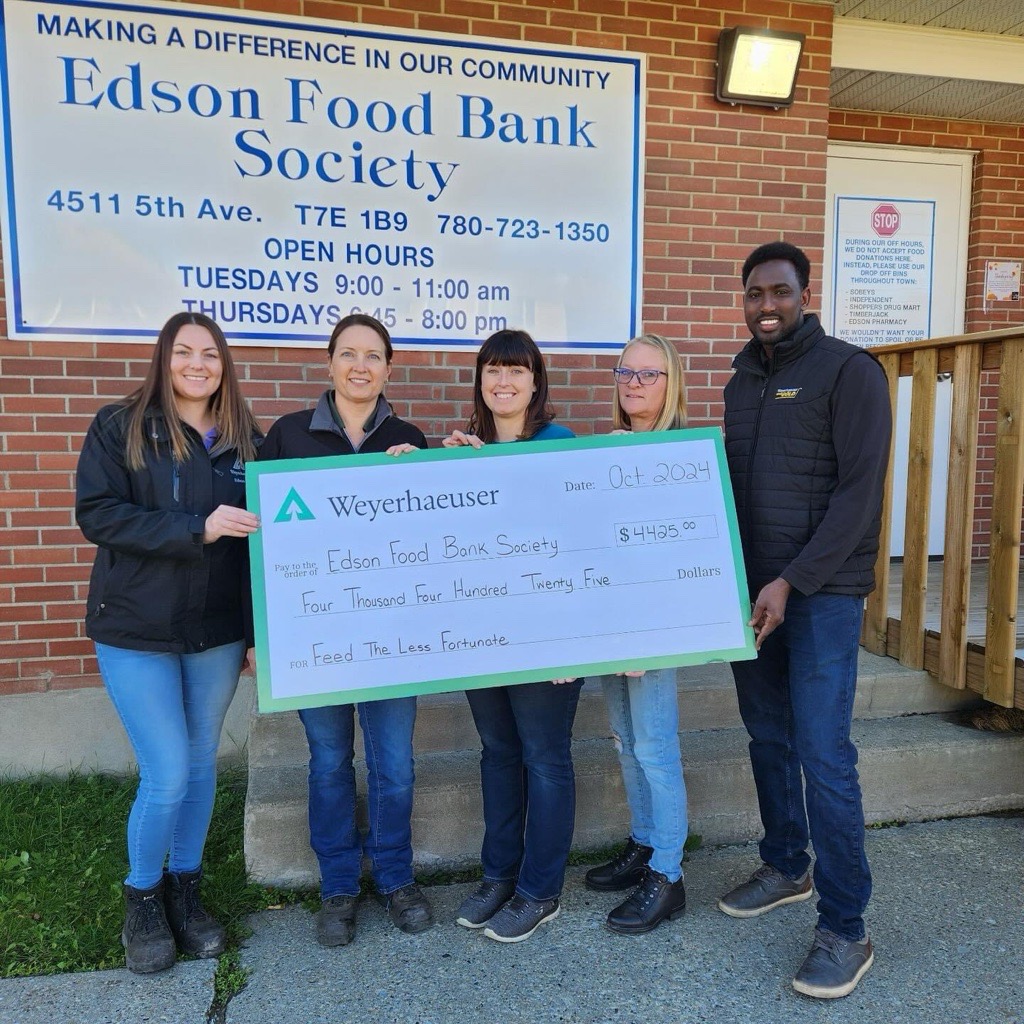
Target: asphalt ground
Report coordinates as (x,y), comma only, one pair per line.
(946,918)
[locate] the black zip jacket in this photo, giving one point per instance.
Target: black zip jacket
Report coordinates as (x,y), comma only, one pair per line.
(155,585)
(807,440)
(315,433)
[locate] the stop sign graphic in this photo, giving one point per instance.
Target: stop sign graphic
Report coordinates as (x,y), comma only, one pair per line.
(885,220)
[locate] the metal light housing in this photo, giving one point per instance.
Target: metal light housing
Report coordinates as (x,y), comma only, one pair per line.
(758,66)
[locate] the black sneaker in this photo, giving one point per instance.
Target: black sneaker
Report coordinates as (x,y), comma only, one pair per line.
(624,872)
(336,921)
(765,890)
(654,900)
(519,918)
(408,909)
(480,906)
(834,965)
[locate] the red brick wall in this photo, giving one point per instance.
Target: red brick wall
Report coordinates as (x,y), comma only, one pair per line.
(720,180)
(996,232)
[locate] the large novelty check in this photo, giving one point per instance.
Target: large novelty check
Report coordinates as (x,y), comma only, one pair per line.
(381,577)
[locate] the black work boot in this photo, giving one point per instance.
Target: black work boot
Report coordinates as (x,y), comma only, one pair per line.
(195,930)
(624,872)
(146,936)
(654,900)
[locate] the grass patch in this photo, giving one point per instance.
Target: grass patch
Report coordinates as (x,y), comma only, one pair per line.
(61,865)
(229,980)
(63,859)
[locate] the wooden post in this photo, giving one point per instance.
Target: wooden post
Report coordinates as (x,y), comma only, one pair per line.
(1004,545)
(915,533)
(956,559)
(876,616)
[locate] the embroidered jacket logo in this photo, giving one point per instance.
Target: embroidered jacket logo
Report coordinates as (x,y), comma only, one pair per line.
(786,393)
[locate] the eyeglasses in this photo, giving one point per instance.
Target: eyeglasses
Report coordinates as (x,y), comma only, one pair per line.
(623,375)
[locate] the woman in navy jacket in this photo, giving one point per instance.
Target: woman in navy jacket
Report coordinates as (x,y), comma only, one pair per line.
(354,416)
(161,492)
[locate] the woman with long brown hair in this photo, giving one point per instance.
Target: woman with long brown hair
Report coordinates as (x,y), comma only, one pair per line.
(161,492)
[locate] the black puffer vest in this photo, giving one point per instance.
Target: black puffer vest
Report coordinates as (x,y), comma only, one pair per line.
(778,430)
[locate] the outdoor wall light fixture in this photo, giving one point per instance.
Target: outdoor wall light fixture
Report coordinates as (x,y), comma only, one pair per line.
(758,66)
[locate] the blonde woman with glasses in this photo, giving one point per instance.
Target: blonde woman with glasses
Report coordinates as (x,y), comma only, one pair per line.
(642,710)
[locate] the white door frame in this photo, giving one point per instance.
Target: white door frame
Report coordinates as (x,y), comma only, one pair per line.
(963,160)
(906,154)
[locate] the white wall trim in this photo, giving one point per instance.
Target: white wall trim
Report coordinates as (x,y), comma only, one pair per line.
(862,45)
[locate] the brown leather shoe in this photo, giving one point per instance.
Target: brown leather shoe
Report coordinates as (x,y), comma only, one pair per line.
(408,909)
(336,921)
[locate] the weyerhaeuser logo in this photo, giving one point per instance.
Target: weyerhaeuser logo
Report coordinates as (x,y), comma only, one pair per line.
(293,508)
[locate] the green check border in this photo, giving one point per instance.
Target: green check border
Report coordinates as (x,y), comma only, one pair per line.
(254,470)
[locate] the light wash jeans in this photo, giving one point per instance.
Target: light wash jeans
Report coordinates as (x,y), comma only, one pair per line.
(172,707)
(796,699)
(644,717)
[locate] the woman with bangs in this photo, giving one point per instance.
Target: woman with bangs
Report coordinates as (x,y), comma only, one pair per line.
(161,492)
(526,771)
(642,709)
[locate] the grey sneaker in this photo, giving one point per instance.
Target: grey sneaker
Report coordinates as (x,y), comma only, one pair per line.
(520,918)
(765,890)
(834,965)
(336,921)
(480,906)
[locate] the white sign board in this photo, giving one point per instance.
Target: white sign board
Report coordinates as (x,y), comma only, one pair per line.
(378,577)
(882,270)
(279,173)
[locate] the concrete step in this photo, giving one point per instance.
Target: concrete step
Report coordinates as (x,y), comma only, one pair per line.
(707,700)
(54,732)
(912,769)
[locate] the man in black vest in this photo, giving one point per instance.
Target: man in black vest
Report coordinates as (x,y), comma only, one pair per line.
(807,425)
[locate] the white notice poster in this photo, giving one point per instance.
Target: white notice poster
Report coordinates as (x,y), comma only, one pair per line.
(882,269)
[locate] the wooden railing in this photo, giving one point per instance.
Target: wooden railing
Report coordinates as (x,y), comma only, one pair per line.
(992,668)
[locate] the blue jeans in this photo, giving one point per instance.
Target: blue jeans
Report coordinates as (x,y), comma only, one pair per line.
(528,783)
(644,716)
(172,707)
(796,699)
(387,739)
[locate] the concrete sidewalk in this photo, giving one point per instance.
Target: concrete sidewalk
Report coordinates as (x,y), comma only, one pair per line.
(947,920)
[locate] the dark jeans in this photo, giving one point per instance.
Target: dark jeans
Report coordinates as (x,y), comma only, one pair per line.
(387,738)
(796,699)
(529,787)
